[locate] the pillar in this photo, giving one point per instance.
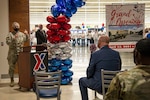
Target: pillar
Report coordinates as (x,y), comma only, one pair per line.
(19,12)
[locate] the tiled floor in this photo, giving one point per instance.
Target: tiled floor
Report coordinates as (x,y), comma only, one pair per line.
(80,57)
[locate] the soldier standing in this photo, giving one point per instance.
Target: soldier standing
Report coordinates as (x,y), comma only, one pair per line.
(15,41)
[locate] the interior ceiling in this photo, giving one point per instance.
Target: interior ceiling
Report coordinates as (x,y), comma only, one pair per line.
(93,12)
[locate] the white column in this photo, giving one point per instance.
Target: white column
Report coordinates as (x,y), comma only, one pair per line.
(4,29)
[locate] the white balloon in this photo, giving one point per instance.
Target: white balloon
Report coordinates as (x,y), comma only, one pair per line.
(63,44)
(57,51)
(67,50)
(65,56)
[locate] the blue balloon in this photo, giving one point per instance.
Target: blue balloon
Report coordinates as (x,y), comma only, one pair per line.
(102,28)
(65,80)
(56,62)
(73,9)
(83,3)
(63,67)
(70,78)
(61,3)
(148,35)
(49,61)
(69,66)
(55,10)
(67,62)
(67,13)
(71,6)
(63,10)
(78,3)
(52,68)
(68,4)
(68,73)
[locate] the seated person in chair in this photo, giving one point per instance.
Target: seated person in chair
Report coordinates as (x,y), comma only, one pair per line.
(104,58)
(133,84)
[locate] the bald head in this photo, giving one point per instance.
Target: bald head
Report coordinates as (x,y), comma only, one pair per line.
(103,41)
(40,26)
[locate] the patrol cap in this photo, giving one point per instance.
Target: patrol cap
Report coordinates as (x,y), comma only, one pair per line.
(15,25)
(143,47)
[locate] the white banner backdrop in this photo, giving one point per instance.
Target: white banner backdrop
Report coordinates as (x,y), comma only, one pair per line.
(125,25)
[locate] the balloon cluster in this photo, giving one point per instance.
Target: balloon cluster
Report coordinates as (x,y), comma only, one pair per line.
(66,7)
(58,29)
(64,66)
(59,49)
(59,34)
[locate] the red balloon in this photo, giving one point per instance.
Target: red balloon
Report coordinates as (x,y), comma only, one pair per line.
(48,26)
(56,38)
(55,26)
(61,19)
(102,24)
(68,19)
(62,32)
(51,19)
(66,38)
(49,38)
(68,32)
(66,26)
(50,32)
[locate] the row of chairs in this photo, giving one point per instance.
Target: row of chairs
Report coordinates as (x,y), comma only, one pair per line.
(48,83)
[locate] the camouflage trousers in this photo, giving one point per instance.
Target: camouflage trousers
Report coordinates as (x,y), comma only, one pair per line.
(12,60)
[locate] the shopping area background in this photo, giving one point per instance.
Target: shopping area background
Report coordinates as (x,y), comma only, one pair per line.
(84,37)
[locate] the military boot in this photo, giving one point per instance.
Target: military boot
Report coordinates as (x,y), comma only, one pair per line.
(11,82)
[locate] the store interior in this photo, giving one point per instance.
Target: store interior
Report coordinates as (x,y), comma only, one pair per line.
(90,17)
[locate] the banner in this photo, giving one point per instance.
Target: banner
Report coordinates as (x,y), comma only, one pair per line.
(125,23)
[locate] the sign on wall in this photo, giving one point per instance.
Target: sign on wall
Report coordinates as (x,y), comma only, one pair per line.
(125,23)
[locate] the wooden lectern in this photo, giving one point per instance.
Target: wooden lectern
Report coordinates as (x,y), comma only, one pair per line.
(28,62)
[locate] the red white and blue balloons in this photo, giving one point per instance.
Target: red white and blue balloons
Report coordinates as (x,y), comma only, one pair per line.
(59,36)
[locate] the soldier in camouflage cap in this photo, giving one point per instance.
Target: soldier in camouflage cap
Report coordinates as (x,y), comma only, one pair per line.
(135,83)
(15,41)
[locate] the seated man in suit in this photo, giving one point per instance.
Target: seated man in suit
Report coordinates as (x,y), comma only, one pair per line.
(133,84)
(104,58)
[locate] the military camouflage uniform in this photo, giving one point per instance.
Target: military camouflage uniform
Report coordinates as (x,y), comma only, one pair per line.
(131,85)
(15,46)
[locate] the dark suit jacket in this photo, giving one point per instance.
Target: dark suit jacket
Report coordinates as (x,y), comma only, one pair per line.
(105,58)
(40,39)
